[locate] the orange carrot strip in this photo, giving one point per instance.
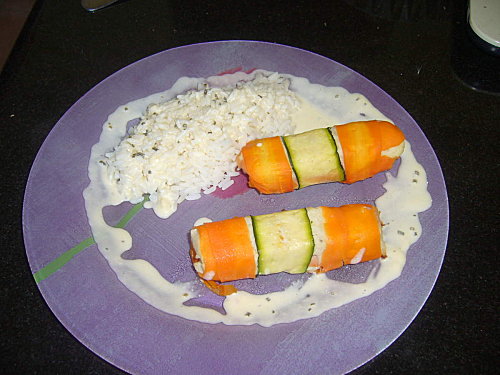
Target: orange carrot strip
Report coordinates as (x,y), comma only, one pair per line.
(388,136)
(219,289)
(363,233)
(363,143)
(209,260)
(360,149)
(214,286)
(267,165)
(336,239)
(227,249)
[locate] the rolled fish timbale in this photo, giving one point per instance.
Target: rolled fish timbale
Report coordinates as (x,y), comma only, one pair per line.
(313,239)
(344,153)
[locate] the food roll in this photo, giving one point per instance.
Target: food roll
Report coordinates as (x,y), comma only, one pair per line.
(313,239)
(344,153)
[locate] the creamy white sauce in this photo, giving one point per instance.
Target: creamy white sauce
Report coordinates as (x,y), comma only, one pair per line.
(310,117)
(406,195)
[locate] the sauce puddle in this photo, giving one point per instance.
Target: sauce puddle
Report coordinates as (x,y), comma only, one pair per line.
(405,196)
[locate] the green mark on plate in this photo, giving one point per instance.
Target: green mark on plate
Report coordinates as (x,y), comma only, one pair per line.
(65,257)
(61,260)
(131,213)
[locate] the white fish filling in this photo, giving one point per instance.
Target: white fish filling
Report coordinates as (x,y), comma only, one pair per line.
(248,220)
(359,256)
(394,152)
(318,230)
(333,131)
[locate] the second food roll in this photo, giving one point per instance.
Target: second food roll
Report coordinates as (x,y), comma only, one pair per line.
(314,239)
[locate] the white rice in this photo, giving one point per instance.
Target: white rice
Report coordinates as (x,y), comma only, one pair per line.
(188,145)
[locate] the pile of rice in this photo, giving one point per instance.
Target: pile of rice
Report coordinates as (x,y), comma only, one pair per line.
(188,145)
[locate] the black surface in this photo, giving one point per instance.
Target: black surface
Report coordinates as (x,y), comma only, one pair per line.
(64,51)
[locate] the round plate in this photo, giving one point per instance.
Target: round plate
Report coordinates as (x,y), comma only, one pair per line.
(86,296)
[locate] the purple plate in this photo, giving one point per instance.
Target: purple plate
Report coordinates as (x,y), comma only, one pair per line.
(86,296)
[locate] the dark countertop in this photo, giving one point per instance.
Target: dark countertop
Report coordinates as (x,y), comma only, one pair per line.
(417,58)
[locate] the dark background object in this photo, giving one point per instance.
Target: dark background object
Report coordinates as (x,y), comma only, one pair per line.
(13,15)
(405,10)
(64,51)
(470,59)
